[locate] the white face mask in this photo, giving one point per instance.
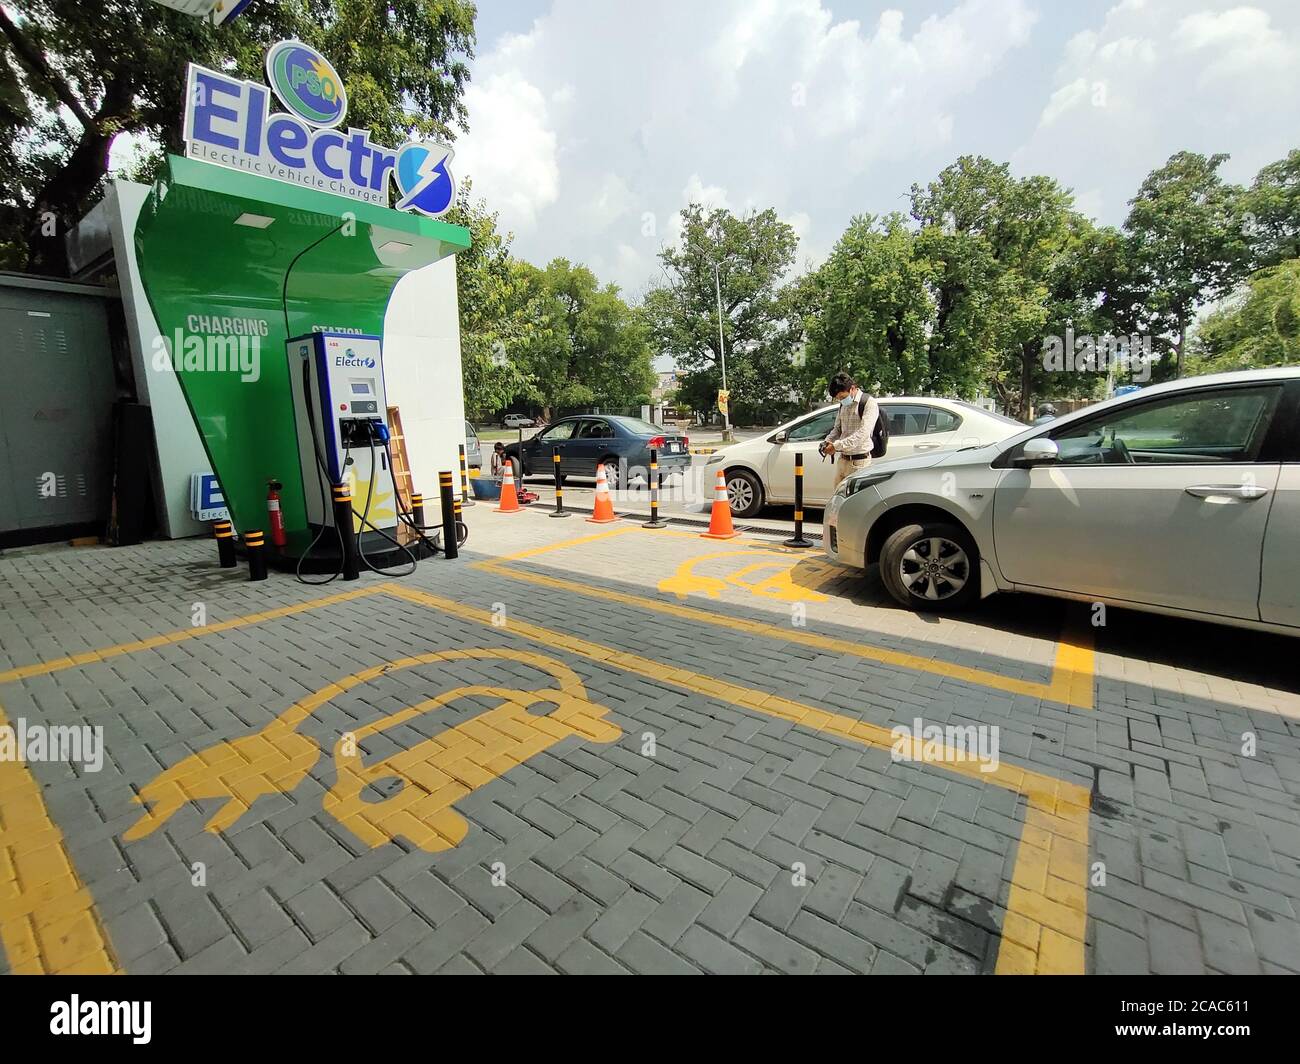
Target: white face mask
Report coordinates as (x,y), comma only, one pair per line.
(847,399)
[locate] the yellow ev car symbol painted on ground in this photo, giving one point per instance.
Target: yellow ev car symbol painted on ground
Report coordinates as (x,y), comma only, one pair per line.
(795,578)
(425,780)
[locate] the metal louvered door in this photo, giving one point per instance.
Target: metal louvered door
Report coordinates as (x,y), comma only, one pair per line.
(56,408)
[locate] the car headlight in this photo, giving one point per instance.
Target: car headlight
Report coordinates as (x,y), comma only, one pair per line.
(715,458)
(853,485)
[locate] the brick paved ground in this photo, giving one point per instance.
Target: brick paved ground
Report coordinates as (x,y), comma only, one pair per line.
(741,842)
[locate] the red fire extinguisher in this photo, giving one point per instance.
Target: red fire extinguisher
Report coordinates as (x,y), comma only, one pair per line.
(273,512)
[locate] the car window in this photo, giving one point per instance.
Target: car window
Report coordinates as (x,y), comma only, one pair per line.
(470,435)
(641,428)
(561,431)
(1204,426)
(595,430)
(942,420)
(906,420)
(815,428)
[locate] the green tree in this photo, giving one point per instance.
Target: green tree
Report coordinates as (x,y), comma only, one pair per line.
(100,70)
(1271,211)
(875,309)
(589,347)
(1187,244)
(498,314)
(1007,257)
(1258,328)
(761,325)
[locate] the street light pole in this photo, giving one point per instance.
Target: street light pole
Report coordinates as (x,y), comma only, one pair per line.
(722,350)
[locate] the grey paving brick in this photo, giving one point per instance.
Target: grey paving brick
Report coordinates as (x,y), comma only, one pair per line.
(1227,944)
(376,904)
(833,941)
(496,941)
(1173,950)
(431,953)
(617,923)
(677,912)
(715,955)
(645,956)
(650,878)
(318,910)
(136,932)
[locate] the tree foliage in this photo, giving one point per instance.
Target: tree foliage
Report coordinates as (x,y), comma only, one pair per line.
(75,76)
(1258,328)
(760,328)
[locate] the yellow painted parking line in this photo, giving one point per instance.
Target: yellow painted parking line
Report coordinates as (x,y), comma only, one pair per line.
(48,923)
(1047,905)
(1078,692)
(44,668)
(1071,681)
(532,552)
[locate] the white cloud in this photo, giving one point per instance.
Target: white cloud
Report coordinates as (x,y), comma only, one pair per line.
(1155,78)
(511,150)
(603,114)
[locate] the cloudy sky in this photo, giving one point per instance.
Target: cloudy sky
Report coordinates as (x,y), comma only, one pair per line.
(594,121)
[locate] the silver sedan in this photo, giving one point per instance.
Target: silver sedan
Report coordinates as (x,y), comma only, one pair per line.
(1182,498)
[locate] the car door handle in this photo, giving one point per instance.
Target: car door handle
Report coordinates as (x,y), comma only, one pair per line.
(926,447)
(1245,492)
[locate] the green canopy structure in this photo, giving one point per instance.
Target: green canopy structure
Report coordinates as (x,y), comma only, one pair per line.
(228,259)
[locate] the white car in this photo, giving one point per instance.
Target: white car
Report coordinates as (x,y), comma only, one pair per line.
(761,471)
(517,421)
(1182,498)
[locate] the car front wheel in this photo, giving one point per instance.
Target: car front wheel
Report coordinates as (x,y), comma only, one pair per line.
(744,492)
(932,566)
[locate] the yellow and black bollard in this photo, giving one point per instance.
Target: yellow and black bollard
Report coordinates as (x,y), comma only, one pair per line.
(255,545)
(465,500)
(560,511)
(343,522)
(798,540)
(417,510)
(656,482)
(224,531)
(448,492)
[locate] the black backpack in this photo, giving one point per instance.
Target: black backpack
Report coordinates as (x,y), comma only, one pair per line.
(880,434)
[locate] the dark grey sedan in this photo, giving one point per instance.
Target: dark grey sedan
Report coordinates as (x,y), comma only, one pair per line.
(622,444)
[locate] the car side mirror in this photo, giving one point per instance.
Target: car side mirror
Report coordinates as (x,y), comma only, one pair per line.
(1038,451)
(779,437)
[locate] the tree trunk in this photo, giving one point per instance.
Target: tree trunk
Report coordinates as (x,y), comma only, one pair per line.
(1182,342)
(1026,378)
(60,201)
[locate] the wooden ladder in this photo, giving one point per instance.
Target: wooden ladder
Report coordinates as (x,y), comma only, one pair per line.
(402,480)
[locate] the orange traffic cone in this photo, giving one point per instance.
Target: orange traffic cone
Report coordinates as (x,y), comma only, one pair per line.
(509,499)
(603,513)
(720,518)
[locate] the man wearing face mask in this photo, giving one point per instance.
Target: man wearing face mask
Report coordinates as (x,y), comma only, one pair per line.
(850,440)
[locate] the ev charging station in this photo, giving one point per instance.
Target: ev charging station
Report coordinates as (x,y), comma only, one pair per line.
(337,381)
(268,257)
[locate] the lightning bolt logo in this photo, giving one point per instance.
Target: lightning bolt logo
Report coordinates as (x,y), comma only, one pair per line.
(425,182)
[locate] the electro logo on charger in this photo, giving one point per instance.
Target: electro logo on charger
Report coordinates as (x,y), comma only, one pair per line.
(229,122)
(350,358)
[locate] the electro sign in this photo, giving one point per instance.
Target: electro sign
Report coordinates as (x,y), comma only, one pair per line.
(229,122)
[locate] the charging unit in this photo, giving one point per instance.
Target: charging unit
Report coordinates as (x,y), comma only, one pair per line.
(340,411)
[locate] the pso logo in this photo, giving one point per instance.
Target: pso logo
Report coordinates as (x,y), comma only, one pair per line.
(423,178)
(306,83)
